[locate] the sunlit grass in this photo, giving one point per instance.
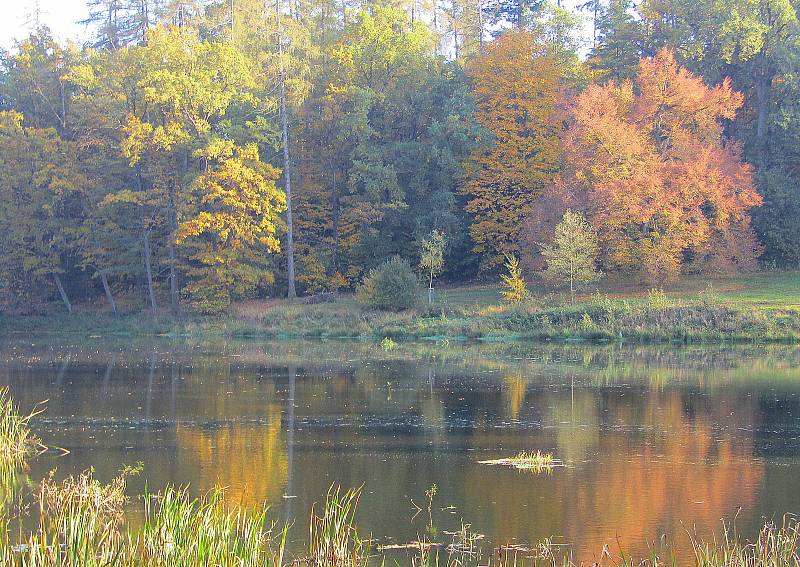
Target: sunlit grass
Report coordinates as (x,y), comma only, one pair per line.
(762,307)
(775,546)
(334,539)
(81,522)
(180,530)
(16,439)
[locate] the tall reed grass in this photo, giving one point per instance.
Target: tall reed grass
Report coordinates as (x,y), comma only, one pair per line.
(775,546)
(81,523)
(17,442)
(334,539)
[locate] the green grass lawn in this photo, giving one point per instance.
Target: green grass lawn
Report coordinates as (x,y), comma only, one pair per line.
(774,289)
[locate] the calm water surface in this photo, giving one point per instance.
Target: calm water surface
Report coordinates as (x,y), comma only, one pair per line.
(656,440)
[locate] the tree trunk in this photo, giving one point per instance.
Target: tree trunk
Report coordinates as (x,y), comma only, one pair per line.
(456,47)
(148,270)
(287,176)
(480,27)
(762,96)
(107,289)
(436,29)
(63,293)
(173,221)
(335,214)
(571,290)
(137,181)
(173,278)
(430,290)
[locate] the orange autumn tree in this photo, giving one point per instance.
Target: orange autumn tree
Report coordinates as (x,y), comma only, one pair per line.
(648,164)
(515,86)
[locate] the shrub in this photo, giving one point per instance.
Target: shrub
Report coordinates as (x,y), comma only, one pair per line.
(392,286)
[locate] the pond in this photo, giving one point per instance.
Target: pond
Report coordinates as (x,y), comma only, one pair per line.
(655,441)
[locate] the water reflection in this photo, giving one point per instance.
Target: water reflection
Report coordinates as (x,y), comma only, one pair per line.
(656,441)
(13,477)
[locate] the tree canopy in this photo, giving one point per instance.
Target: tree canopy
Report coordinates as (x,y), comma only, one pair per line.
(157,164)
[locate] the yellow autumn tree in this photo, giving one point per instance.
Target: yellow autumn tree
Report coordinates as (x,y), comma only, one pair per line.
(234,229)
(515,85)
(515,290)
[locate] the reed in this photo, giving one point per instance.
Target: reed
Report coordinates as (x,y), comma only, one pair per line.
(334,539)
(81,523)
(17,441)
(179,530)
(775,546)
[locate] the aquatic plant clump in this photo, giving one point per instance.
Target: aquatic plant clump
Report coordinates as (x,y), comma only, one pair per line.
(16,438)
(180,530)
(532,461)
(82,523)
(334,539)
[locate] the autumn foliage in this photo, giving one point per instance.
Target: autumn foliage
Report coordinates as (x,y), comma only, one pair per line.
(515,85)
(647,163)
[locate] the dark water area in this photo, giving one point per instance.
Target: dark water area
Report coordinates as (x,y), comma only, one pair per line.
(656,441)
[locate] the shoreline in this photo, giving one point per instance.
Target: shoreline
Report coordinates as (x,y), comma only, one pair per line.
(602,321)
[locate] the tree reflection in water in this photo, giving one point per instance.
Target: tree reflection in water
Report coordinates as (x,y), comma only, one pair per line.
(656,440)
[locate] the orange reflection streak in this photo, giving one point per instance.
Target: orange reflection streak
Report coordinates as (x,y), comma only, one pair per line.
(684,471)
(650,466)
(250,461)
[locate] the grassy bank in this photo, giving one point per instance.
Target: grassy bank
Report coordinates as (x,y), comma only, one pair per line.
(763,307)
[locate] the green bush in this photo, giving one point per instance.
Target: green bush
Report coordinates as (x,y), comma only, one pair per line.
(392,286)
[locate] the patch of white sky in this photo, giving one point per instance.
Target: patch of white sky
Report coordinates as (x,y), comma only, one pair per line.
(19,17)
(63,17)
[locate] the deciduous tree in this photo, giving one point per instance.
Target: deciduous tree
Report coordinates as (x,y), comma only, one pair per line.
(573,254)
(235,227)
(649,167)
(432,258)
(41,204)
(515,85)
(515,290)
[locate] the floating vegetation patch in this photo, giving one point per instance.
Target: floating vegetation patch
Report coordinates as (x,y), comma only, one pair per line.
(528,461)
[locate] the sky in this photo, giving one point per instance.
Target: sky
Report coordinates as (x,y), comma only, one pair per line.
(17,17)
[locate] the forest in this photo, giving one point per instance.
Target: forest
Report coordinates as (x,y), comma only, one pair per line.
(197,153)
